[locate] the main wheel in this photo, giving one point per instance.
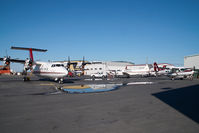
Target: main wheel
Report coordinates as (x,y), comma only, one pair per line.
(93,77)
(61,81)
(26,79)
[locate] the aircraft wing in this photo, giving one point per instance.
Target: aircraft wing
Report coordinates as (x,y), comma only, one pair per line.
(17,61)
(14,60)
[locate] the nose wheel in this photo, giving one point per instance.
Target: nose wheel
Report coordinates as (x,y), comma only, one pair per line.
(61,81)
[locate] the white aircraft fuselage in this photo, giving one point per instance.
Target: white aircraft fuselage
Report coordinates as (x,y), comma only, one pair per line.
(143,70)
(49,70)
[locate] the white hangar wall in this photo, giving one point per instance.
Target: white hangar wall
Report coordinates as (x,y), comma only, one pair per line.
(191,61)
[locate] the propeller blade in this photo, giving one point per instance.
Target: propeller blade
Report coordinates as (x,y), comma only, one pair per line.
(8,59)
(69,59)
(69,63)
(83,64)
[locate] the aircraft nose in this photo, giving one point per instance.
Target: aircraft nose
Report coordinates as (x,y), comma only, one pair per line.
(66,72)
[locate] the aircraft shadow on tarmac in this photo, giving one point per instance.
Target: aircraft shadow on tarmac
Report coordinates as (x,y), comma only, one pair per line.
(185,100)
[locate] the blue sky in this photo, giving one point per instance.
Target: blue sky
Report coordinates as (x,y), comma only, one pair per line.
(129,30)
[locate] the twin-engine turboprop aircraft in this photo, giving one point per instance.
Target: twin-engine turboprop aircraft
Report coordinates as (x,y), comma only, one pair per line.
(53,70)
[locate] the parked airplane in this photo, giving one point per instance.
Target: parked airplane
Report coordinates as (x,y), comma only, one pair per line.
(172,71)
(142,70)
(148,69)
(53,70)
(181,73)
(160,69)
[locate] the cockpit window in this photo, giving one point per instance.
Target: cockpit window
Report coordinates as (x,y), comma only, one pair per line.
(57,65)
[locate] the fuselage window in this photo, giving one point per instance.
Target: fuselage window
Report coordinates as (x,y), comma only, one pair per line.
(57,65)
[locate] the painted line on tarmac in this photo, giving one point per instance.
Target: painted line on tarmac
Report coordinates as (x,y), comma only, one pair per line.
(140,83)
(50,84)
(94,79)
(76,87)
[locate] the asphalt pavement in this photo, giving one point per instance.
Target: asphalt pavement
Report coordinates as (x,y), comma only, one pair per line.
(38,106)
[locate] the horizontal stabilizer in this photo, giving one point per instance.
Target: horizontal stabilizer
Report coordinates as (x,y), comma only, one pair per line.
(33,49)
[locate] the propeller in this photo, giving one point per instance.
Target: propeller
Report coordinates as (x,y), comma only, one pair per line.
(83,65)
(69,63)
(6,60)
(28,65)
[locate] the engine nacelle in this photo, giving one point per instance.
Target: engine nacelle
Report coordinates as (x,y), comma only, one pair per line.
(28,65)
(6,61)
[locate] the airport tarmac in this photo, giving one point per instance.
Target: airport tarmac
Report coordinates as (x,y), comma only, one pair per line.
(159,107)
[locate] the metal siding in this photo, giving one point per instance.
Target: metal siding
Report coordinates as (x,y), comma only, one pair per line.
(191,61)
(106,66)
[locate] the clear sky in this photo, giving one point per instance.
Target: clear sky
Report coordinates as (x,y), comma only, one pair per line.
(129,30)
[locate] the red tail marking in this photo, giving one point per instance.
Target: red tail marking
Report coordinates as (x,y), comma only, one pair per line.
(31,54)
(155,65)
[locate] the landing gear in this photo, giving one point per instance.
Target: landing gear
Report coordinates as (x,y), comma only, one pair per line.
(26,79)
(172,78)
(93,77)
(61,81)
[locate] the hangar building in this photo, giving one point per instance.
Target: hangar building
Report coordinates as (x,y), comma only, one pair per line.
(191,61)
(117,67)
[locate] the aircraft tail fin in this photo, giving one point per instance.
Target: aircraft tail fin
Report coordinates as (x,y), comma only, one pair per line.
(30,50)
(155,66)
